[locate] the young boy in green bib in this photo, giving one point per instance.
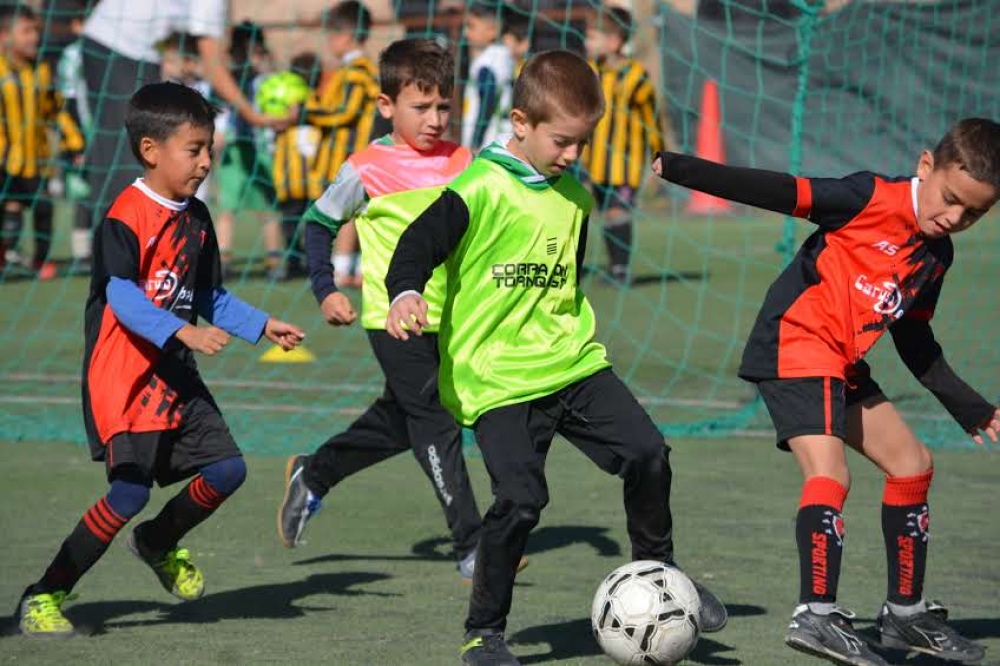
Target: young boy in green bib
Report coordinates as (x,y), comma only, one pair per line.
(518,360)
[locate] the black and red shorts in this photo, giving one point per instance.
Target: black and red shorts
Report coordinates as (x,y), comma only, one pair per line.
(815,405)
(168,456)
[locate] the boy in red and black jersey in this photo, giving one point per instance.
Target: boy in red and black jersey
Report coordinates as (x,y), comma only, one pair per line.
(876,264)
(149,417)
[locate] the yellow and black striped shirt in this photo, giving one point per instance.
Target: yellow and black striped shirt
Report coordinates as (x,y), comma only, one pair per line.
(629,133)
(29,104)
(295,152)
(344,112)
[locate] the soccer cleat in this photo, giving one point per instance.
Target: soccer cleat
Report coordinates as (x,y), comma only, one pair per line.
(467,566)
(927,632)
(298,505)
(40,615)
(173,568)
(713,616)
(487,648)
(830,637)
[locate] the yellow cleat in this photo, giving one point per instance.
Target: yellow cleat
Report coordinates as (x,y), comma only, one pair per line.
(178,575)
(40,615)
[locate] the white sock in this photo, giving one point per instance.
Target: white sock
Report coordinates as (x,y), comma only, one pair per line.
(820,608)
(907,611)
(80,243)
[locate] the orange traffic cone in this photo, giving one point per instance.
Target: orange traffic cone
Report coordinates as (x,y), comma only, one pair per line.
(709,146)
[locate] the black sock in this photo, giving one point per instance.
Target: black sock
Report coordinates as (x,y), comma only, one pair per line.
(10,228)
(81,549)
(820,553)
(188,508)
(819,534)
(618,238)
(905,523)
(42,223)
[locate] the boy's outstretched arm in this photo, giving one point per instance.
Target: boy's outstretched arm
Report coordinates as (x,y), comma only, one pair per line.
(828,202)
(922,355)
(771,190)
(423,246)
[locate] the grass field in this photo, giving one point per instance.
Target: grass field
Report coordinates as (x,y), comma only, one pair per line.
(375,585)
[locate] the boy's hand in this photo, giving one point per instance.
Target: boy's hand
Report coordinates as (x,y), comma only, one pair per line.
(287,336)
(990,426)
(208,340)
(658,166)
(407,313)
(338,310)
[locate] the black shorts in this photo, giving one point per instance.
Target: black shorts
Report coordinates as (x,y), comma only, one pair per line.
(614,196)
(814,405)
(168,456)
(19,188)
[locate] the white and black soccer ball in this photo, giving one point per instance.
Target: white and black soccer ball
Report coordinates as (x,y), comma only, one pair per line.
(645,613)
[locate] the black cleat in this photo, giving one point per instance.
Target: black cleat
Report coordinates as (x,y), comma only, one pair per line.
(830,637)
(487,648)
(713,616)
(927,632)
(298,505)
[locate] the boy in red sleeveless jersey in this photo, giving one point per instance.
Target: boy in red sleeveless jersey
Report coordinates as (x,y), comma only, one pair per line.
(149,417)
(876,264)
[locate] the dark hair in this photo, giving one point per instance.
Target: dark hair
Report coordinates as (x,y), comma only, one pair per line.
(308,66)
(157,110)
(243,38)
(558,81)
(184,43)
(485,9)
(11,13)
(616,21)
(516,23)
(421,62)
(974,145)
(349,16)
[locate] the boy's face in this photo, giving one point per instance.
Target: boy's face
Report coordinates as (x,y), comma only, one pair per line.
(419,119)
(949,200)
(480,31)
(21,39)
(551,146)
(596,43)
(177,166)
(517,47)
(340,42)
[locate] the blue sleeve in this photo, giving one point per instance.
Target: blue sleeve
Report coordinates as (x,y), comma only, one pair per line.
(138,314)
(486,83)
(220,308)
(319,239)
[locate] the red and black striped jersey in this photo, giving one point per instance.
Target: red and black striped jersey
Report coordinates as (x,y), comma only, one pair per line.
(169,250)
(866,268)
(865,271)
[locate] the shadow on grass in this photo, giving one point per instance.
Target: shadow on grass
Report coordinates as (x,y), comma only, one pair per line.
(271,601)
(574,639)
(438,549)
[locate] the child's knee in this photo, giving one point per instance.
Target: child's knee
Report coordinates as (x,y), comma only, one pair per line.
(225,476)
(126,498)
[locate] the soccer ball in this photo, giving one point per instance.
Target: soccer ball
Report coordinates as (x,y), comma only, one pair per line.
(646,614)
(278,93)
